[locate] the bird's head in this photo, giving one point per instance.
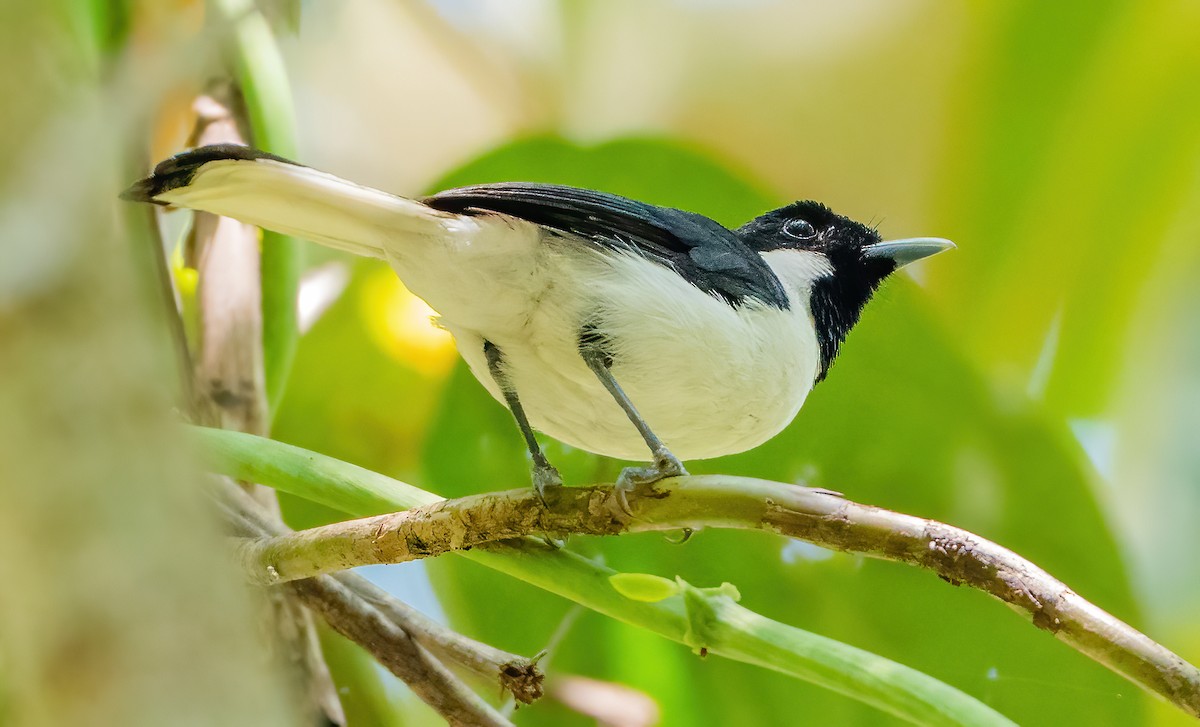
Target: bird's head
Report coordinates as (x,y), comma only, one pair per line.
(836,262)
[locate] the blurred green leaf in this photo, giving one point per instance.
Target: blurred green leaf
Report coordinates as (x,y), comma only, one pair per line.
(100,26)
(349,396)
(1073,152)
(905,421)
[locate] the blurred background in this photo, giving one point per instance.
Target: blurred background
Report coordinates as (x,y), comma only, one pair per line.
(1039,386)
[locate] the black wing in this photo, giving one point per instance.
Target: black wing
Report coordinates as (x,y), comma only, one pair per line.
(701,250)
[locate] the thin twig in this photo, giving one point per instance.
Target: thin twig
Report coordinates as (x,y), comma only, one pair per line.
(169,299)
(397,651)
(367,625)
(518,675)
(363,623)
(230,379)
(817,516)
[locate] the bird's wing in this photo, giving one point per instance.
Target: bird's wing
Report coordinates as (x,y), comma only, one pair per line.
(702,251)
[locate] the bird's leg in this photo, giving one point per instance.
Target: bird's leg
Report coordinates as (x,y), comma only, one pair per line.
(544,473)
(665,463)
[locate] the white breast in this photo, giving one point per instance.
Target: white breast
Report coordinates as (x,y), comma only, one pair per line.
(709,379)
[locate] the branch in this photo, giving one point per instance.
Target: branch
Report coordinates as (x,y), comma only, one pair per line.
(816,516)
(515,674)
(720,627)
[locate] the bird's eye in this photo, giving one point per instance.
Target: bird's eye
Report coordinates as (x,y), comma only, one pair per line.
(799,229)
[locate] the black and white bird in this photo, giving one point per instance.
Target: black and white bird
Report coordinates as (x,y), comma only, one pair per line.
(612,325)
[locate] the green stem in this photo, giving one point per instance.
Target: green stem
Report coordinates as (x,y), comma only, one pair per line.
(263,79)
(721,626)
(736,633)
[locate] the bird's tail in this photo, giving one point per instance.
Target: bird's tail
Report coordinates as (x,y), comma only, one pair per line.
(272,192)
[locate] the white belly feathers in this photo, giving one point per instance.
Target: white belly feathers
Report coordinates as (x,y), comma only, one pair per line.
(704,379)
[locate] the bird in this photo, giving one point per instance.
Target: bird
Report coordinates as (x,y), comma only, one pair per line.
(612,325)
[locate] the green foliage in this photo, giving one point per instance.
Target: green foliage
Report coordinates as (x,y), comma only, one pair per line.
(1067,146)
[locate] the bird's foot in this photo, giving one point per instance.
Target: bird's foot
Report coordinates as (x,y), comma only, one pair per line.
(665,465)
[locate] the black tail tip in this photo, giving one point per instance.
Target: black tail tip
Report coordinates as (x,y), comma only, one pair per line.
(179,170)
(142,191)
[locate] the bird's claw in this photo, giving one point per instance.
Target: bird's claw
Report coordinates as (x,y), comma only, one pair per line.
(553,543)
(665,465)
(545,477)
(668,465)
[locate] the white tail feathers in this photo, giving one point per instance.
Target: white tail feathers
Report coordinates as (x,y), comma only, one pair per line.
(278,195)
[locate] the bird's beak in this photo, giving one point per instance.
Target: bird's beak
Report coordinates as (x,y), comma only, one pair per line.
(903,252)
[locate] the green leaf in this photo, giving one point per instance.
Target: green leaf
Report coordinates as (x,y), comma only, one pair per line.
(906,420)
